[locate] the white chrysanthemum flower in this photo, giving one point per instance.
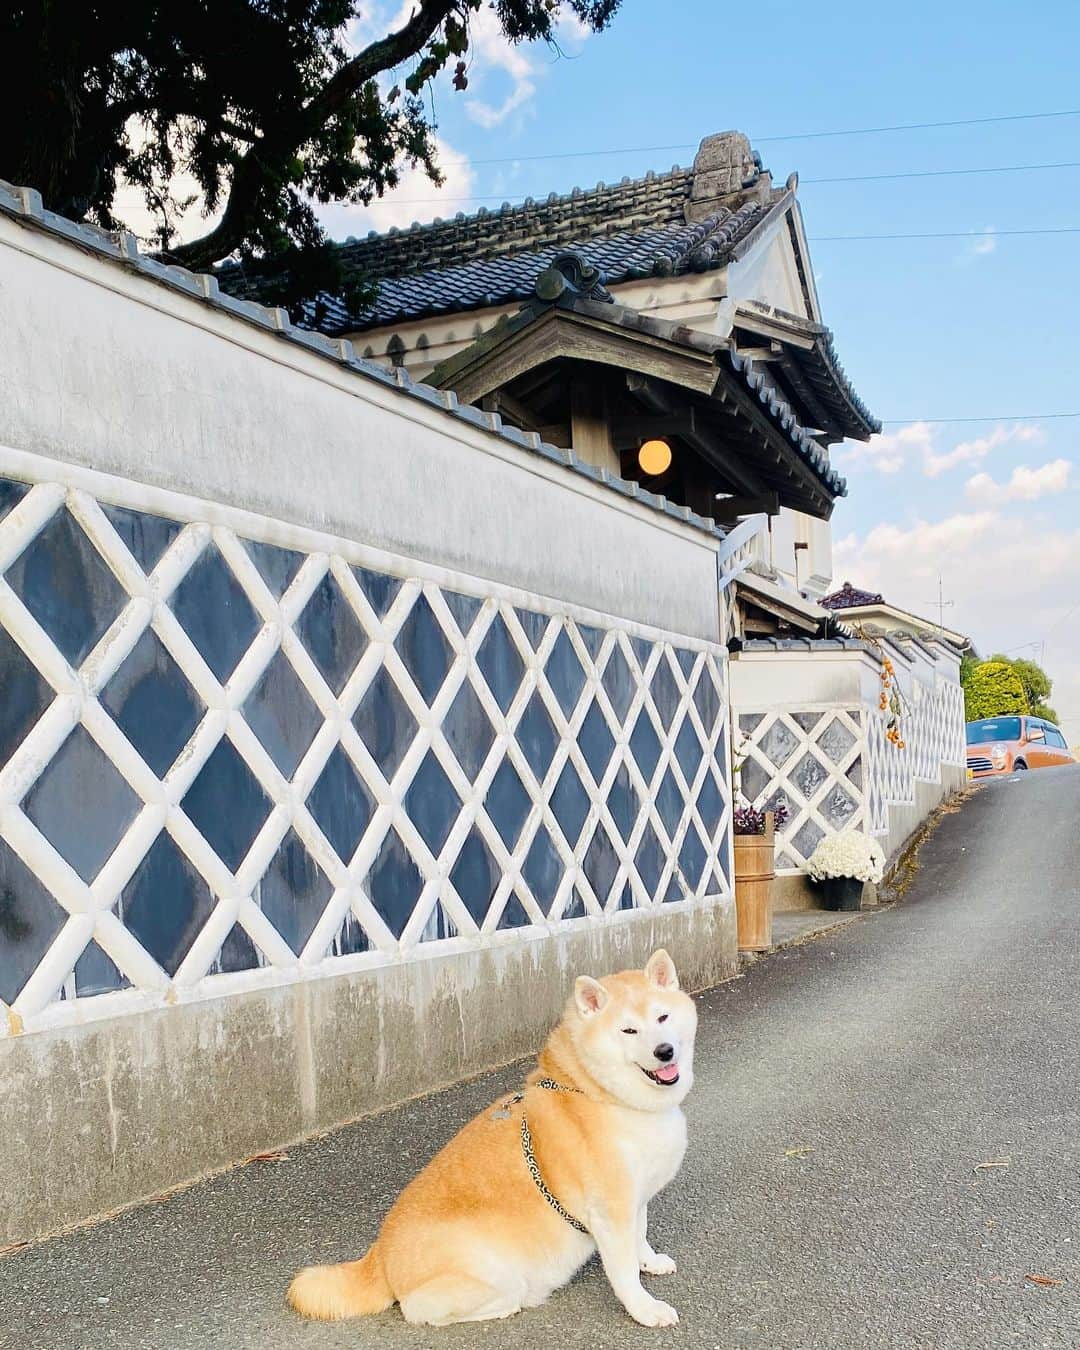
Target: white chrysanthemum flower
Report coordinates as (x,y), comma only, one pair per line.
(848,853)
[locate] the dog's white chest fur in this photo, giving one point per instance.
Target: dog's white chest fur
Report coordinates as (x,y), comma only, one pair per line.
(653,1144)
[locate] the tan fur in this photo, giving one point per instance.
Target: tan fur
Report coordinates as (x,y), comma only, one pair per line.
(471,1237)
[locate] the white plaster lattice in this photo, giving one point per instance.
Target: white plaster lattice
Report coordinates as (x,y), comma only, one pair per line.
(812,759)
(693,671)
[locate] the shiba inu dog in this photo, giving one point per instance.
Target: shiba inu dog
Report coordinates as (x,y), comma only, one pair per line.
(528,1190)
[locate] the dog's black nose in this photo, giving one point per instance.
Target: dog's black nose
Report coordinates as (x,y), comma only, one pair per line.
(664,1052)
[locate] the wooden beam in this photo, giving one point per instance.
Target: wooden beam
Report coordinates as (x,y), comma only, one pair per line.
(730,508)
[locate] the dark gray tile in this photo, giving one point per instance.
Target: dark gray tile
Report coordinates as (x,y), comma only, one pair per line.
(153,703)
(593,638)
(665,691)
(808,838)
(575,907)
(464,608)
(710,802)
(779,743)
(294,892)
(341,804)
(600,864)
(227,804)
(277,566)
(623,802)
(753,779)
(384,723)
(707,700)
(536,735)
(619,683)
(669,803)
(688,750)
(649,860)
(394,883)
(281,712)
(570,803)
(836,740)
(424,649)
(596,741)
(749,722)
(166,903)
(26,695)
(238,952)
(379,588)
(507,803)
(807,720)
(564,673)
(513,915)
(68,587)
(350,937)
(432,803)
(96,973)
(146,536)
(11,494)
(686,660)
(29,921)
(81,804)
(692,859)
(468,730)
(808,775)
(642,650)
(331,633)
(645,745)
(500,663)
(475,876)
(213,610)
(543,869)
(534,624)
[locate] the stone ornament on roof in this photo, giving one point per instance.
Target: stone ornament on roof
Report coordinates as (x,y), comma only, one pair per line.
(850,597)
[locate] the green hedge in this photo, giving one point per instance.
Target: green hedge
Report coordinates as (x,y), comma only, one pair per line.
(993,689)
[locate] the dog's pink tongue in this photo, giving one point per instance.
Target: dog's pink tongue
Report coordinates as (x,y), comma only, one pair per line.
(667,1073)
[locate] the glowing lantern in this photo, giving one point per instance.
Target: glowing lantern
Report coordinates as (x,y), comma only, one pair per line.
(654,457)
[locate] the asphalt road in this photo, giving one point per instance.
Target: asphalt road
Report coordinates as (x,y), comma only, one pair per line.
(848,1092)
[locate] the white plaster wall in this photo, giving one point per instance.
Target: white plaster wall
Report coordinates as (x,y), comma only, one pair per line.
(768,272)
(104,368)
(777,680)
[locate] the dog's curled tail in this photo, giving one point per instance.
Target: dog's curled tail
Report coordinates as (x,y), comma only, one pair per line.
(353,1289)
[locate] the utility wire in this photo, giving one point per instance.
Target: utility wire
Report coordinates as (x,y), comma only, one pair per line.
(944,234)
(763,140)
(996,417)
(851,178)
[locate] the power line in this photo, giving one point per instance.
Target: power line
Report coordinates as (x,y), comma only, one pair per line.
(943,234)
(851,178)
(942,173)
(994,417)
(763,140)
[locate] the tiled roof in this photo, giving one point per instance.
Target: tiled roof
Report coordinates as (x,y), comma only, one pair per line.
(24,205)
(636,228)
(850,597)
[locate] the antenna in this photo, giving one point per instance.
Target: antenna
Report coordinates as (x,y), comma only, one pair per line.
(942,605)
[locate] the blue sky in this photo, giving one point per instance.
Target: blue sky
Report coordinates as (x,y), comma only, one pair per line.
(933,328)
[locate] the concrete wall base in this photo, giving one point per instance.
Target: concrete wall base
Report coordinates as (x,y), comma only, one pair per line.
(97,1117)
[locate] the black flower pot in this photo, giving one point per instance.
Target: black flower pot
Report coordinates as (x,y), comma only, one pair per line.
(842,893)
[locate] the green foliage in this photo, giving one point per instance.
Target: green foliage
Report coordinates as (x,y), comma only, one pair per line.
(1045,711)
(992,689)
(265,105)
(1037,684)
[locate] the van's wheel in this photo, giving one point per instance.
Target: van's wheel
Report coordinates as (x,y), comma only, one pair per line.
(1019,767)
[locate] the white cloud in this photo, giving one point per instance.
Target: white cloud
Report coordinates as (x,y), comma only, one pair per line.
(971,452)
(979,246)
(1008,584)
(1025,485)
(489,51)
(890,452)
(401,206)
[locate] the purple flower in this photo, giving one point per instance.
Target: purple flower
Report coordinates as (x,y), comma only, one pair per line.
(749,820)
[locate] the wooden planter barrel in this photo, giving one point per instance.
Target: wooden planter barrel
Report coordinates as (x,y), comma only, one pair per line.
(754,872)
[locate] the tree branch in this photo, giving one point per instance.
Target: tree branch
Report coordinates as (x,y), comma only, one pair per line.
(264,162)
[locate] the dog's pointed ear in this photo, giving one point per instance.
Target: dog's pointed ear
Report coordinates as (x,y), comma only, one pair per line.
(660,970)
(589,995)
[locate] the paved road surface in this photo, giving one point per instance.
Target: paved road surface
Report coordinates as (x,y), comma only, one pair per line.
(900,1052)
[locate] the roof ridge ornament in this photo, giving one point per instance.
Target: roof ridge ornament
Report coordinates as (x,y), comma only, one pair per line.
(571,274)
